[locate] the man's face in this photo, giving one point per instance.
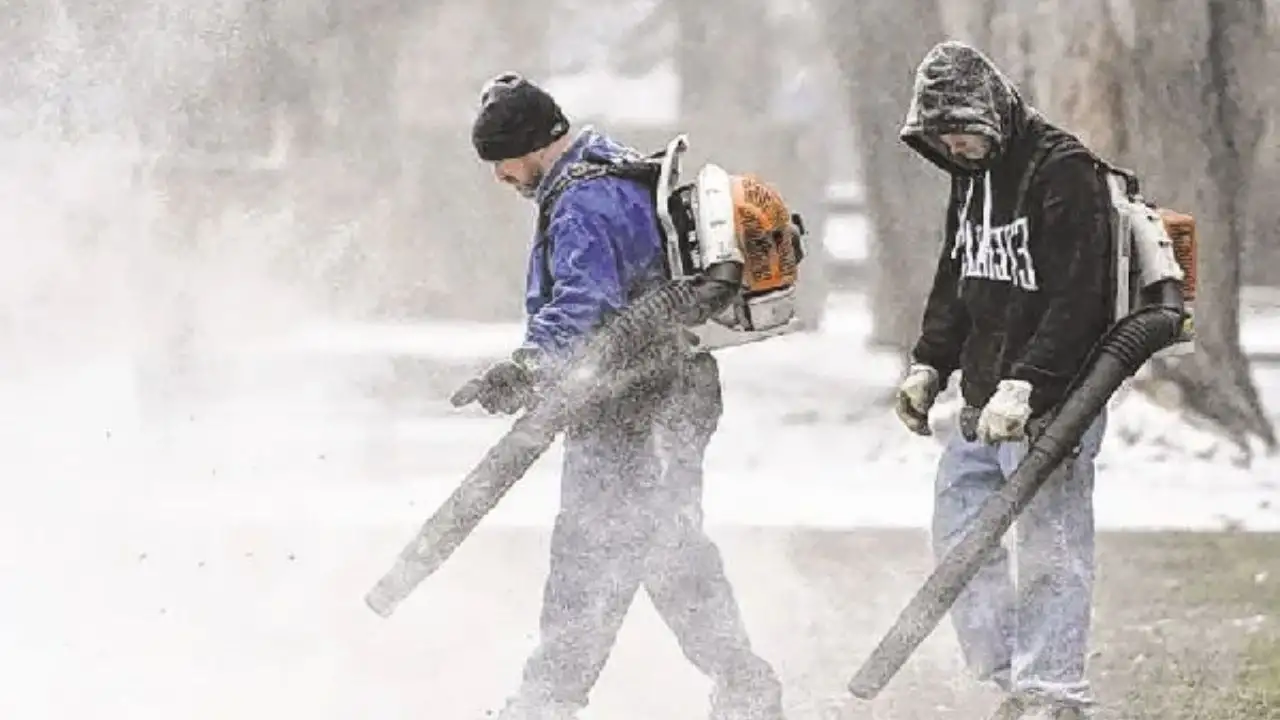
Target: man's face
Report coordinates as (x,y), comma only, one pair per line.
(524,174)
(966,145)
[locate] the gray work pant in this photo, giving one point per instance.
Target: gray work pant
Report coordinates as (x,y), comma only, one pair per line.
(631,516)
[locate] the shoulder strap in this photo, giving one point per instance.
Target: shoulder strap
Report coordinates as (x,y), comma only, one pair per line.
(1132,186)
(585,169)
(633,166)
(1029,175)
(590,167)
(1038,157)
(1131,179)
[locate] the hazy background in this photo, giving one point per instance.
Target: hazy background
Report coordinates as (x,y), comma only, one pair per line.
(180,175)
(246,248)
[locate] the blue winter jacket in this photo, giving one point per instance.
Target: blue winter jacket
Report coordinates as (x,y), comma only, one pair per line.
(605,251)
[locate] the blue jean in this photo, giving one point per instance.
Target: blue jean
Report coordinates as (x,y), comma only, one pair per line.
(1030,637)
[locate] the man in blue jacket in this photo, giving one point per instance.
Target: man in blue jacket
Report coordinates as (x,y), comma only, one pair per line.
(631,490)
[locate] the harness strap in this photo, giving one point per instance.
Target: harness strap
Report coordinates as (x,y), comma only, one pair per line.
(590,167)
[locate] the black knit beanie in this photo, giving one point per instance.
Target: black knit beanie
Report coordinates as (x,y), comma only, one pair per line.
(516,118)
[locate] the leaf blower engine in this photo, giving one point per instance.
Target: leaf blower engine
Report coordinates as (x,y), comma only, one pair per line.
(733,240)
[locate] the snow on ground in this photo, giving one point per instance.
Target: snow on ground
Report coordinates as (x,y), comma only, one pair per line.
(804,440)
(212,565)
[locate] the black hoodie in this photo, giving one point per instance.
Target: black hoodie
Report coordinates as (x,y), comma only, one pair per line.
(1023,286)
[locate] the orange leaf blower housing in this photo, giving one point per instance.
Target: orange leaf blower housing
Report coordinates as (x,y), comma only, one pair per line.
(1182,231)
(734,234)
(766,235)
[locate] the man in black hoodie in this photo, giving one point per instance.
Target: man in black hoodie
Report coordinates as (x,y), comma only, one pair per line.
(1021,295)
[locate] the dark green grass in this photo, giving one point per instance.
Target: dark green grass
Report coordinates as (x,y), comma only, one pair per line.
(1187,625)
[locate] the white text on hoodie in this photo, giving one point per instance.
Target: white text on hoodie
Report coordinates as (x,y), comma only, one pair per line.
(1001,254)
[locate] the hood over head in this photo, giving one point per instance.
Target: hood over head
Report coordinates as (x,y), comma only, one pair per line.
(960,90)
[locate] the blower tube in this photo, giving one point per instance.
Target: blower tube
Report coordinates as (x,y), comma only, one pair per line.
(631,348)
(686,302)
(1125,348)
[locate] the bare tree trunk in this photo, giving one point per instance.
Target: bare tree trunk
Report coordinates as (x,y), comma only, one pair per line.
(1220,380)
(876,53)
(1169,89)
(1262,234)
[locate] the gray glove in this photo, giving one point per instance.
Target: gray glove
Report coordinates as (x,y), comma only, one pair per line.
(916,395)
(1005,416)
(506,387)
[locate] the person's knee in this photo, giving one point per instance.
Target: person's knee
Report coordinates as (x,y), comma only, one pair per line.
(1052,561)
(681,549)
(947,532)
(1060,516)
(592,533)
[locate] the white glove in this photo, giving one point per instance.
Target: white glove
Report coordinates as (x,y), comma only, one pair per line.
(916,395)
(1005,416)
